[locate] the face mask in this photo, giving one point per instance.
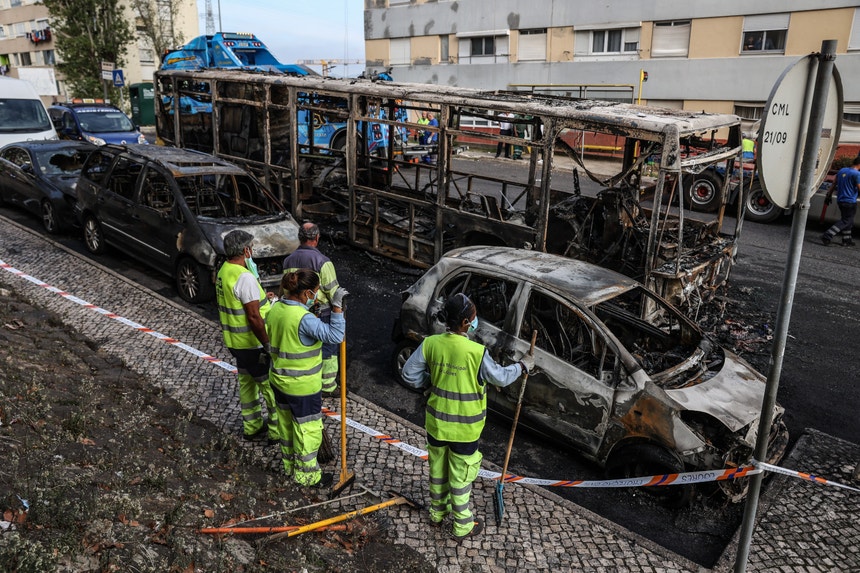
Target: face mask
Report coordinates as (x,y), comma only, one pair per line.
(473,326)
(252,266)
(311,301)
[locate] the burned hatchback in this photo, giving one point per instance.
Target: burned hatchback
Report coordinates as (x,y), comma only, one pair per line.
(621,376)
(171,208)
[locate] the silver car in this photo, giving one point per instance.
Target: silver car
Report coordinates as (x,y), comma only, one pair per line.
(621,375)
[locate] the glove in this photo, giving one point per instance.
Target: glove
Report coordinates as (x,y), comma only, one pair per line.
(528,363)
(828,200)
(265,356)
(338,296)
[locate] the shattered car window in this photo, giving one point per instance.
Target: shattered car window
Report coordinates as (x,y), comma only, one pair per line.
(155,192)
(492,296)
(657,336)
(219,196)
(561,332)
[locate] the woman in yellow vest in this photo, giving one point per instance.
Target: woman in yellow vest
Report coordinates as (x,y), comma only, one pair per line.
(296,337)
(457,370)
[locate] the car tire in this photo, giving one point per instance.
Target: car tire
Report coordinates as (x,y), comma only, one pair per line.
(192,281)
(402,352)
(49,218)
(94,237)
(703,192)
(758,207)
(638,460)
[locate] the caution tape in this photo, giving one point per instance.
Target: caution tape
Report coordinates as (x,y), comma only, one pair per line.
(685,478)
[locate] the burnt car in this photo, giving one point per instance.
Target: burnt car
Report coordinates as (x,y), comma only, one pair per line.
(41,177)
(621,376)
(171,208)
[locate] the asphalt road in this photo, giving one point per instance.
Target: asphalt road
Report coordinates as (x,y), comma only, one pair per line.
(817,385)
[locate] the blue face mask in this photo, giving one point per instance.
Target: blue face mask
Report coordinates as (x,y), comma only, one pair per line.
(252,266)
(311,301)
(473,326)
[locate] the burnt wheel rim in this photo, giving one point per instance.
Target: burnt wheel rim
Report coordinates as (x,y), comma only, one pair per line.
(92,234)
(189,285)
(48,218)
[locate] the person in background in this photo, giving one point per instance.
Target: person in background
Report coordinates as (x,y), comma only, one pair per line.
(308,256)
(296,338)
(847,185)
(422,133)
(505,128)
(242,308)
(457,371)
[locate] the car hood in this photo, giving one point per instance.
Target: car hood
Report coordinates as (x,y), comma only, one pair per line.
(734,395)
(64,183)
(117,137)
(274,235)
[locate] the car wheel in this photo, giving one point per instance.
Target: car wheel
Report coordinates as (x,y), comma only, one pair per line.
(639,460)
(192,281)
(94,238)
(404,350)
(758,207)
(703,193)
(49,217)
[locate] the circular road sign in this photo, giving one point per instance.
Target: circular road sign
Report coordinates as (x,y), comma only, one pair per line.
(781,137)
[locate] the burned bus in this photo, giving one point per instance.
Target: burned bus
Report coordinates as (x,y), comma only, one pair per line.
(415,198)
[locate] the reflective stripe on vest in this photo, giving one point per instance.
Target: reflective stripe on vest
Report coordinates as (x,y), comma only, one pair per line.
(457,407)
(296,368)
(234,324)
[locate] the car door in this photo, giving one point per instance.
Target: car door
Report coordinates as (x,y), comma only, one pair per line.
(156,216)
(116,205)
(570,393)
(18,179)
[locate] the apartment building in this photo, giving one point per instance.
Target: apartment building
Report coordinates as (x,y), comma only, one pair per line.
(715,56)
(28,48)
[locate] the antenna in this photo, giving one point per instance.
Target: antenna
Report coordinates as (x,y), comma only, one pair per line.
(210,19)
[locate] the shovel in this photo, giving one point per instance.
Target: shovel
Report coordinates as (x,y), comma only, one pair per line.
(499,500)
(346,477)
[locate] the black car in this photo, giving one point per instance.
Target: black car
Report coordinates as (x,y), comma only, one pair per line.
(171,208)
(41,177)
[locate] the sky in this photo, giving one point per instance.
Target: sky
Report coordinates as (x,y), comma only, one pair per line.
(297,29)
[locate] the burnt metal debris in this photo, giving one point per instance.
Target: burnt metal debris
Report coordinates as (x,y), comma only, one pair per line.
(354,151)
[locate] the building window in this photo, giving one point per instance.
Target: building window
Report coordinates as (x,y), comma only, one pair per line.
(532,45)
(399,52)
(485,46)
(619,41)
(765,33)
(752,111)
(50,58)
(854,40)
(20,29)
(444,55)
(24,59)
(2,32)
(15,3)
(670,39)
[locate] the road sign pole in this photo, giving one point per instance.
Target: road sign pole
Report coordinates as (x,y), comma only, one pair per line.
(798,226)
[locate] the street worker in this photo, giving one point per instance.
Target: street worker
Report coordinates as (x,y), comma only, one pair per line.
(422,133)
(457,371)
(505,128)
(748,147)
(308,256)
(847,185)
(297,337)
(242,308)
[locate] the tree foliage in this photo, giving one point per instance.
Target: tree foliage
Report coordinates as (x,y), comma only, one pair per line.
(86,33)
(156,21)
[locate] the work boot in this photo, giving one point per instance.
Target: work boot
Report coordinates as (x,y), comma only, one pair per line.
(258,435)
(325,481)
(476,530)
(847,242)
(825,240)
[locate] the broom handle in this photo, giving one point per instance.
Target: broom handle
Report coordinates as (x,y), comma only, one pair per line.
(342,352)
(517,412)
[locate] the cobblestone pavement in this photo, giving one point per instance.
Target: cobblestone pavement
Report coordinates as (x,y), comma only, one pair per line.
(804,527)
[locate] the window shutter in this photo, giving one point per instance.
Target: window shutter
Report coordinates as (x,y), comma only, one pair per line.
(399,52)
(766,22)
(854,42)
(532,47)
(670,40)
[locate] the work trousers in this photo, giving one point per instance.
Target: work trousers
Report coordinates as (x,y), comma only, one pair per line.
(504,146)
(451,477)
(844,225)
(253,377)
(330,359)
(300,423)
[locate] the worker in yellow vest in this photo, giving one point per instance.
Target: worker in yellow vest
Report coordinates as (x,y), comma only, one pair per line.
(242,308)
(457,371)
(297,338)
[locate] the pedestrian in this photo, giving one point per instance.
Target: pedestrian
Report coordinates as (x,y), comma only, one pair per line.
(505,128)
(422,133)
(456,370)
(297,337)
(847,185)
(242,309)
(308,256)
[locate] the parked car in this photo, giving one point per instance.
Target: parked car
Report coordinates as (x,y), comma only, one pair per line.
(41,177)
(98,123)
(23,116)
(171,208)
(620,375)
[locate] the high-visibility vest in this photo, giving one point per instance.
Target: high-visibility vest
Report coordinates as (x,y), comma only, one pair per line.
(234,324)
(457,406)
(296,368)
(306,257)
(748,148)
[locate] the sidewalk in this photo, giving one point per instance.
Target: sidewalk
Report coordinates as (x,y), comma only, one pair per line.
(804,526)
